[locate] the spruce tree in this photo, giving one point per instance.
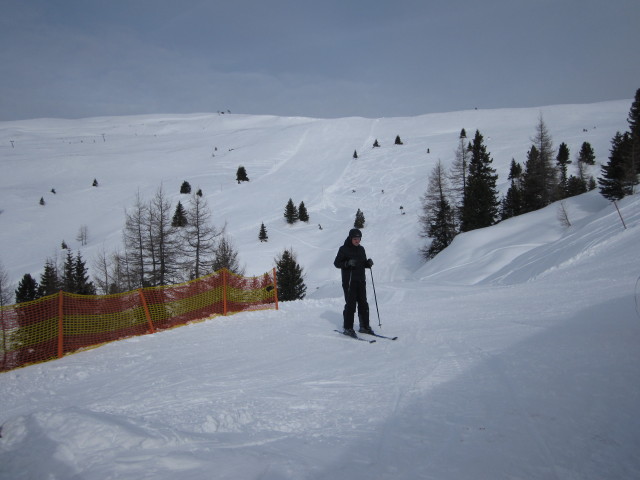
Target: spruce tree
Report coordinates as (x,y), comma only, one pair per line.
(513,203)
(262,235)
(562,162)
(179,216)
(303,215)
(290,212)
(586,155)
(27,289)
(84,286)
(634,130)
(355,154)
(533,186)
(618,176)
(68,278)
(185,188)
(49,283)
(359,221)
(576,186)
(398,141)
(376,144)
(480,204)
(290,277)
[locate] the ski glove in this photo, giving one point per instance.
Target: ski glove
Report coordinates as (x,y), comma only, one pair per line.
(369,263)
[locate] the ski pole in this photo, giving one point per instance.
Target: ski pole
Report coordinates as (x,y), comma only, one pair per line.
(374,296)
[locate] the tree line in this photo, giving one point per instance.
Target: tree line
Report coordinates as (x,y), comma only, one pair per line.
(465,197)
(160,246)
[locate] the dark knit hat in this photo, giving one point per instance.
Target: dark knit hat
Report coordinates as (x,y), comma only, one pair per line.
(354,232)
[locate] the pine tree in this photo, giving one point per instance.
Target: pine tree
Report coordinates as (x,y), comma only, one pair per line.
(27,289)
(618,176)
(185,188)
(291,212)
(303,215)
(437,220)
(513,203)
(68,278)
(49,283)
(562,162)
(179,217)
(84,286)
(533,186)
(634,130)
(576,186)
(359,221)
(480,204)
(376,144)
(241,174)
(42,202)
(95,182)
(290,277)
(262,235)
(586,155)
(398,141)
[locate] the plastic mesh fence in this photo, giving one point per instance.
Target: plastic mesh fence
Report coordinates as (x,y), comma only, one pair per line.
(53,326)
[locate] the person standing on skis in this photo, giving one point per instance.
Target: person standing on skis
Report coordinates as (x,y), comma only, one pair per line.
(352,260)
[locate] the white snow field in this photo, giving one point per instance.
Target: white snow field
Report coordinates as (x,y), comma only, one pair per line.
(519,346)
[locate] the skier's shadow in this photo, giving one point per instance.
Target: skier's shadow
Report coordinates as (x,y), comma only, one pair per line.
(333,317)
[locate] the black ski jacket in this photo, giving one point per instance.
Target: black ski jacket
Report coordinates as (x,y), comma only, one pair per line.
(345,253)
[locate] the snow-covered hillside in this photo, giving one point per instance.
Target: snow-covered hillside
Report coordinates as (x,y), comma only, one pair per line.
(518,354)
(303,159)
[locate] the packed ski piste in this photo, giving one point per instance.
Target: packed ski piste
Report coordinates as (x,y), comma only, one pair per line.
(513,354)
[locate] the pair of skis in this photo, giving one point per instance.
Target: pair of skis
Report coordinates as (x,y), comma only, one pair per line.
(366,339)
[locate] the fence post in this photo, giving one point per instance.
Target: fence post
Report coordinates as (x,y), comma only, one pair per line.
(224,291)
(60,324)
(146,311)
(275,286)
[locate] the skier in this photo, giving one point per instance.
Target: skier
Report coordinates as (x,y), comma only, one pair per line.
(352,260)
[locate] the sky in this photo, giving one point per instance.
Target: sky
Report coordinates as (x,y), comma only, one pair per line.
(329,59)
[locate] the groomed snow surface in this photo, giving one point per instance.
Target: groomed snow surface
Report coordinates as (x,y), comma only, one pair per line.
(519,346)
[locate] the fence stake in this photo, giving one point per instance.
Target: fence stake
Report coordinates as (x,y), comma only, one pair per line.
(275,286)
(146,311)
(60,324)
(224,291)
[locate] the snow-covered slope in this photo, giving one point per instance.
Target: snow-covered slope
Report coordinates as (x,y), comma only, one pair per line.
(518,352)
(304,159)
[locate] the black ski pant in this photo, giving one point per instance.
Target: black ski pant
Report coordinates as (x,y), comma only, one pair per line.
(355,294)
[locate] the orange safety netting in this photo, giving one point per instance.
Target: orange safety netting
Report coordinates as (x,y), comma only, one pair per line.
(52,326)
